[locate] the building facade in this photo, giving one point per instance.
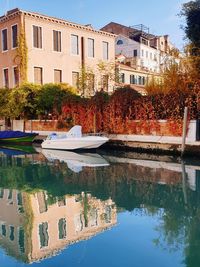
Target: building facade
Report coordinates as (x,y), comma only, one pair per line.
(148,52)
(57,51)
(134,77)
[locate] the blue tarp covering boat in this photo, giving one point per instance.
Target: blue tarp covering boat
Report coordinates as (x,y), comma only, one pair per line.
(16,136)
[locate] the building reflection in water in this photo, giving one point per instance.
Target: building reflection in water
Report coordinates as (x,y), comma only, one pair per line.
(37,226)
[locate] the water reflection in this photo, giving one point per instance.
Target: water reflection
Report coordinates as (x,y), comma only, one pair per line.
(35,226)
(46,206)
(75,161)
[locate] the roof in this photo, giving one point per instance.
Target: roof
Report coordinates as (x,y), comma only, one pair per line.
(127,30)
(16,12)
(129,68)
(137,88)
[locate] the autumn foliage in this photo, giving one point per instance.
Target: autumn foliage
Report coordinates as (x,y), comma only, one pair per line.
(127,112)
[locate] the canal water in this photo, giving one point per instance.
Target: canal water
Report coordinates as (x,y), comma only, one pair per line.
(108,209)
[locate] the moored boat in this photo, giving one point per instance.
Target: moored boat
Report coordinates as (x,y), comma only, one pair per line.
(73,140)
(16,137)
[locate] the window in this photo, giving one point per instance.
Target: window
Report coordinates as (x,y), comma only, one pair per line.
(21,240)
(57,41)
(5,78)
(38,75)
(140,80)
(3,229)
(37,37)
(5,40)
(62,228)
(122,78)
(143,80)
(57,76)
(78,223)
(19,199)
(120,42)
(105,79)
(10,194)
(105,50)
(90,47)
(12,231)
(147,54)
(142,52)
(93,217)
(144,41)
(15,76)
(150,55)
(75,79)
(1,192)
(61,201)
(132,79)
(14,36)
(108,214)
(43,233)
(135,52)
(74,44)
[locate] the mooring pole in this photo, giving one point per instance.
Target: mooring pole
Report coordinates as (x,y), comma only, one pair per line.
(184,182)
(184,130)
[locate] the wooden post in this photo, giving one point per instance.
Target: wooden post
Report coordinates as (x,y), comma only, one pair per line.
(184,182)
(184,130)
(31,126)
(94,123)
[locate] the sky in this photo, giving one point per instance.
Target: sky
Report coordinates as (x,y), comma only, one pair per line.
(161,16)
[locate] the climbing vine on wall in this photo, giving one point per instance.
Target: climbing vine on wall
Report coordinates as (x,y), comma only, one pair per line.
(21,58)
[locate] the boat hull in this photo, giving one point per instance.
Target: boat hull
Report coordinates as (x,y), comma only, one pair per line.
(16,137)
(87,142)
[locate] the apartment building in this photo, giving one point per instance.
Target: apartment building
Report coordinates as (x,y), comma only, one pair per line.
(149,52)
(132,76)
(57,51)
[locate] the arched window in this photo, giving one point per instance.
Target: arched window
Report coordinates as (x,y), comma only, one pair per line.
(119,42)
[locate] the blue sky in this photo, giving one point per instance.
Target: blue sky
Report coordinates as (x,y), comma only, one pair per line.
(159,15)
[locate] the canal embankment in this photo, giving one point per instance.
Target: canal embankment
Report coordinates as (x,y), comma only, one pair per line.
(161,137)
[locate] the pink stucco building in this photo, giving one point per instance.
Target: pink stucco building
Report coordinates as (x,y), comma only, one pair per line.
(57,51)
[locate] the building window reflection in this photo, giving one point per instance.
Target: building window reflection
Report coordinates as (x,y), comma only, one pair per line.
(21,240)
(43,233)
(10,194)
(62,228)
(12,231)
(3,229)
(93,217)
(1,192)
(108,213)
(78,222)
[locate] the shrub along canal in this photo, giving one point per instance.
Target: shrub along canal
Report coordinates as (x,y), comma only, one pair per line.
(86,209)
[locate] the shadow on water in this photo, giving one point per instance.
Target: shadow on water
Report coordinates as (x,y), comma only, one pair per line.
(94,188)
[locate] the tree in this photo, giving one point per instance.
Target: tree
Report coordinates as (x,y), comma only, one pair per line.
(191,12)
(51,97)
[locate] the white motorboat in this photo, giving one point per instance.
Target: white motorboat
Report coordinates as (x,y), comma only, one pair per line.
(75,161)
(73,140)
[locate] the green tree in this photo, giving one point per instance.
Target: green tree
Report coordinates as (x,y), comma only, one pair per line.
(21,102)
(51,96)
(191,12)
